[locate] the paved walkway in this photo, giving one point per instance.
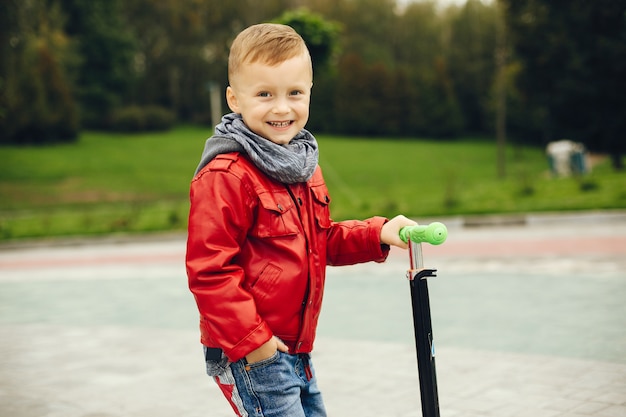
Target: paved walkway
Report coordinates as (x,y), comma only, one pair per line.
(529,321)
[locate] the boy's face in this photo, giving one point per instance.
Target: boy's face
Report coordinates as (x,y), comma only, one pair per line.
(273,100)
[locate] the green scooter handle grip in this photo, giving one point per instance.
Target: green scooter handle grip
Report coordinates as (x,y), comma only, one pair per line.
(434,233)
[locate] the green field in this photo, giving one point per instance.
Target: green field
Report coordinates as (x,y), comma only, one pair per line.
(117,183)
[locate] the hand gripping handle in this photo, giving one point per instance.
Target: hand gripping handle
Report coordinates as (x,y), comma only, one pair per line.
(434,233)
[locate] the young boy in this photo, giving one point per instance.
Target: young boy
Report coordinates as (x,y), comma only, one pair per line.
(260,232)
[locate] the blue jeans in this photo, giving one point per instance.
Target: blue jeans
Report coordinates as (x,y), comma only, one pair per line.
(281,386)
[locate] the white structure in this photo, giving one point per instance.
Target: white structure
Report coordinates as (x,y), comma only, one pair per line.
(567,157)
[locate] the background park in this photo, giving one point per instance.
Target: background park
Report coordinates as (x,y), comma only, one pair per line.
(420,108)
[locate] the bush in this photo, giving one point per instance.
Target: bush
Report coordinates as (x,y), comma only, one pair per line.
(37,104)
(137,119)
(158,118)
(127,119)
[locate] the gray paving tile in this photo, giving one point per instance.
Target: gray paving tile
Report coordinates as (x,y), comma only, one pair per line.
(108,329)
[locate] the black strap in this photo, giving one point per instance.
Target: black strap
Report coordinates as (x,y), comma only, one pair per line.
(213,354)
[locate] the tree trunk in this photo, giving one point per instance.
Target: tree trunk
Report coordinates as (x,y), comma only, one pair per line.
(501,94)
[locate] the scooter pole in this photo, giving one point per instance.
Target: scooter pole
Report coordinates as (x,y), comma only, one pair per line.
(435,234)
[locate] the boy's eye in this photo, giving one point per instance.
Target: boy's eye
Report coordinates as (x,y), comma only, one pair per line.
(264,94)
(296,92)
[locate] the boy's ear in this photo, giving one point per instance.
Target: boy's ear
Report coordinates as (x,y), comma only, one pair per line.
(231,99)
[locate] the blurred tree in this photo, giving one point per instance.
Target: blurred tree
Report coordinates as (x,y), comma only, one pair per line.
(369,26)
(8,23)
(393,78)
(174,53)
(321,35)
(442,113)
(417,38)
(423,46)
(407,102)
(573,56)
(380,100)
(8,29)
(107,50)
(470,53)
(501,53)
(36,60)
(322,39)
(352,87)
(183,49)
(395,68)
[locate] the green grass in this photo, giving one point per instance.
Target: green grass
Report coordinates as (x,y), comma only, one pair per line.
(434,178)
(117,183)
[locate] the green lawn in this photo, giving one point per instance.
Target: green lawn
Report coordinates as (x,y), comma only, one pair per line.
(436,178)
(111,183)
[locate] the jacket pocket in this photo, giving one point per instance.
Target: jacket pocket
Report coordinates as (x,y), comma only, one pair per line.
(265,284)
(276,215)
(321,200)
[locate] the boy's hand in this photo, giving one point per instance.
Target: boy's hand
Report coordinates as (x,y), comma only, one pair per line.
(390,233)
(266,350)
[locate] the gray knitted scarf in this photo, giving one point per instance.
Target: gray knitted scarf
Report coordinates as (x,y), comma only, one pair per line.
(291,163)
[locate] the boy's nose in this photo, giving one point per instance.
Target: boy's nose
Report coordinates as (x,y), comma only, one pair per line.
(281,106)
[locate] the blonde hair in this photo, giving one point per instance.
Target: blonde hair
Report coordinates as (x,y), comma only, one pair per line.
(267,43)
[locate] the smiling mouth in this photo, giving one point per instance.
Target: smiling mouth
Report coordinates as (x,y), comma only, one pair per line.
(280,124)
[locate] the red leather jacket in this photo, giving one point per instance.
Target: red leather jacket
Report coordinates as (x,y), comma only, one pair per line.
(257,251)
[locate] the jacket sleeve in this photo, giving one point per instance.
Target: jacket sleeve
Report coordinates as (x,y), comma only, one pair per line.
(356,241)
(220,216)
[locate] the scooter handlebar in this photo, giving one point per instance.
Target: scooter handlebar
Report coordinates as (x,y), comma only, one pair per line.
(434,233)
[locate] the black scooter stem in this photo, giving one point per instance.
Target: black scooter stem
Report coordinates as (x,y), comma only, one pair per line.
(435,234)
(424,343)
